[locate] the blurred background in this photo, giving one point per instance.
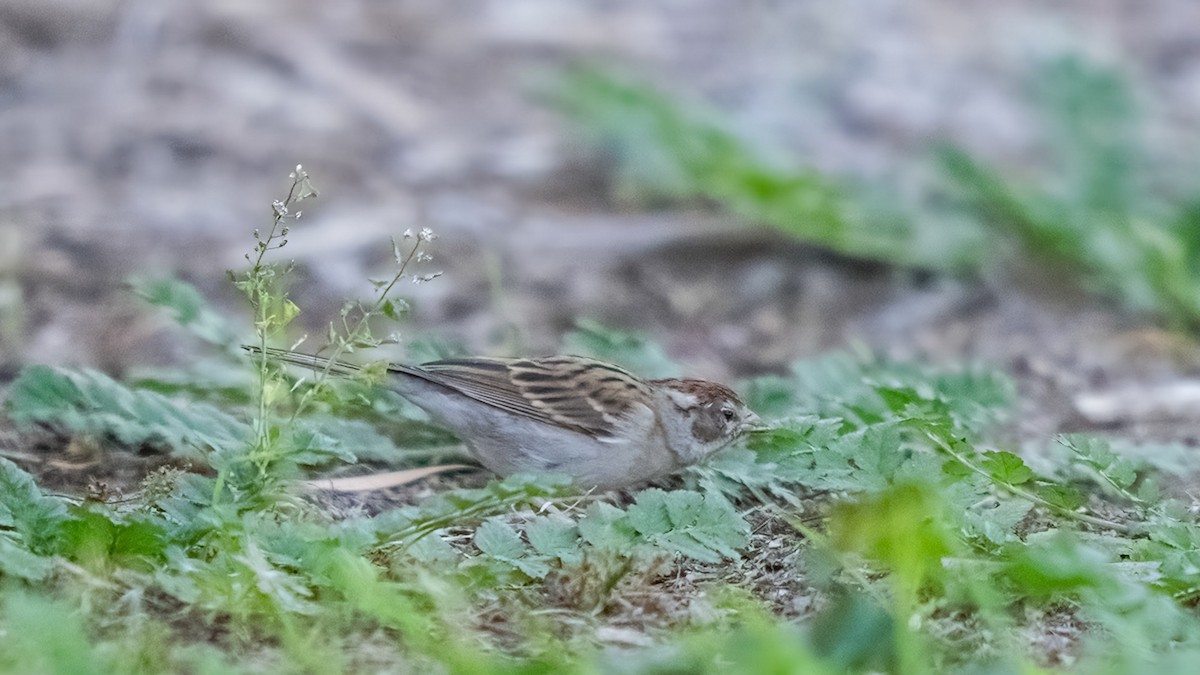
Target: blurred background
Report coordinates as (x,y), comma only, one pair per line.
(745,183)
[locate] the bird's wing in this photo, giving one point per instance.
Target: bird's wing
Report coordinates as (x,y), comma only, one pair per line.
(582,394)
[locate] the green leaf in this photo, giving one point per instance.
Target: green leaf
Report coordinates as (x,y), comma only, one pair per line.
(45,636)
(854,634)
(322,438)
(771,396)
(17,561)
(500,542)
(188,307)
(274,582)
(1006,468)
(497,539)
(1093,214)
(34,516)
(863,460)
(1149,491)
(1057,563)
(1098,455)
(95,540)
(90,403)
(605,526)
(289,311)
(879,452)
(668,151)
(624,348)
(1063,496)
(898,398)
(906,527)
(555,538)
(394,308)
(432,548)
(698,526)
(997,524)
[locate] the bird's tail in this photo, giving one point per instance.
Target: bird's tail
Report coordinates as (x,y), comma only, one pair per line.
(306,360)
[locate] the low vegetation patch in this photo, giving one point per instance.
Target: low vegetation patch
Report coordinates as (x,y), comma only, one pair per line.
(881,524)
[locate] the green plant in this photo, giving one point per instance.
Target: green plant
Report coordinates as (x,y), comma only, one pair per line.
(1100,215)
(664,150)
(1100,210)
(880,495)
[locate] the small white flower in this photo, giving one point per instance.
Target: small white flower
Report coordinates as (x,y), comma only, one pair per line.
(426,277)
(427,234)
(407,234)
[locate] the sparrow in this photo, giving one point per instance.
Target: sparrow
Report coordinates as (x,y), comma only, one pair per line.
(595,422)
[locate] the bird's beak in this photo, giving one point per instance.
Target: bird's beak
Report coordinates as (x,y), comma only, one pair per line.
(752,423)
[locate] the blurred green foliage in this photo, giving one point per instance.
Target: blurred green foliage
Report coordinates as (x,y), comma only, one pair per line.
(1101,210)
(1101,215)
(663,150)
(930,548)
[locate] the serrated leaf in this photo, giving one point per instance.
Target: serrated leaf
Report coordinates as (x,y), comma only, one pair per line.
(1006,467)
(1178,535)
(88,402)
(1094,451)
(495,538)
(1062,496)
(698,526)
(499,542)
(862,460)
(34,516)
(555,538)
(432,548)
(605,526)
(289,592)
(1123,473)
(952,468)
(898,398)
(649,515)
(997,524)
(879,452)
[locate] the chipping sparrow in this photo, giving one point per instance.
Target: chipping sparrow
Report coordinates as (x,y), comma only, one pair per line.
(589,420)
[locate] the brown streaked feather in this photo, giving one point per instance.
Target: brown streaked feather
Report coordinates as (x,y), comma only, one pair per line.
(704,391)
(582,394)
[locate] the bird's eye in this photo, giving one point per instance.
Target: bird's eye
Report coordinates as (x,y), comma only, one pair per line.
(729,414)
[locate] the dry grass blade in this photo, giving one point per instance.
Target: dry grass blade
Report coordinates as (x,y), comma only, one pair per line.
(381,481)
